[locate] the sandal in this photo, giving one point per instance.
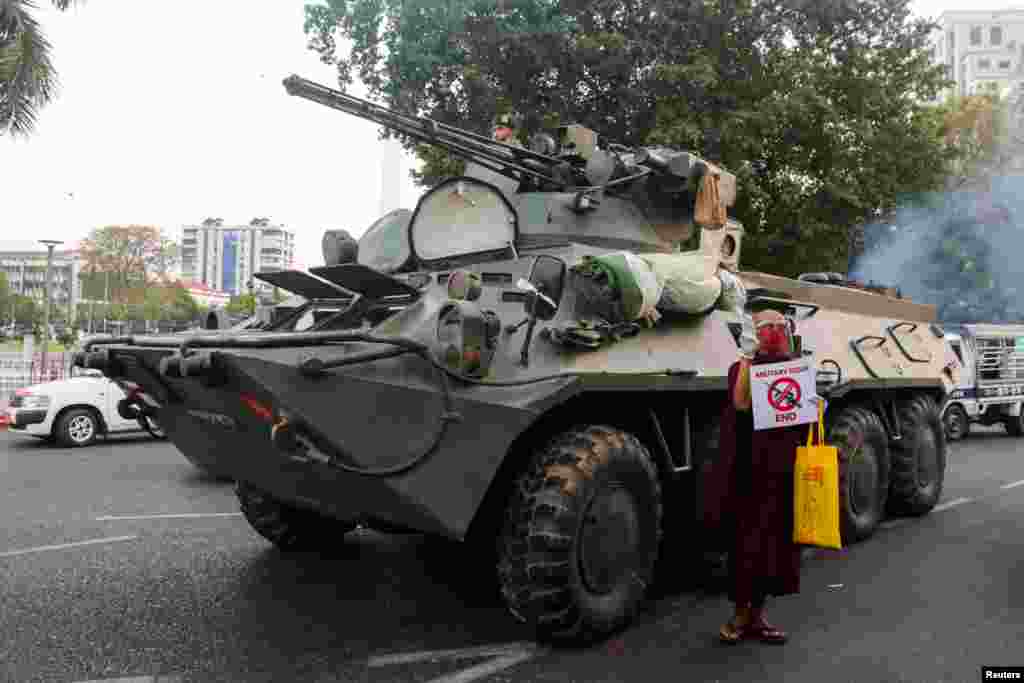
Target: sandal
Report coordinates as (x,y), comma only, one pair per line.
(731,633)
(767,633)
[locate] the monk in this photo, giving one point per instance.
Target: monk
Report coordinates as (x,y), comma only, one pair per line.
(757,475)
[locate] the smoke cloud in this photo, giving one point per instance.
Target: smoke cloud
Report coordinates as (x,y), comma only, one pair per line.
(962,251)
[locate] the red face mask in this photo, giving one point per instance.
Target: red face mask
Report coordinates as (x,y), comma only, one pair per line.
(773,338)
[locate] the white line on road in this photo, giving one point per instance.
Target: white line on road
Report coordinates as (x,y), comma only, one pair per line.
(183,515)
(485,669)
(62,546)
(1013,485)
(508,649)
(951,504)
(139,679)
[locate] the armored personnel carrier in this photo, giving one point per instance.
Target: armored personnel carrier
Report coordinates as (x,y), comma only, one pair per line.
(469,376)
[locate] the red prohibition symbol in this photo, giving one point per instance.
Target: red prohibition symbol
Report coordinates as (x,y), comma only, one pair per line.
(784,394)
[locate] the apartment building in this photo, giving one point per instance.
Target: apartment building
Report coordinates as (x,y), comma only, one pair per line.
(981,49)
(225,257)
(24,265)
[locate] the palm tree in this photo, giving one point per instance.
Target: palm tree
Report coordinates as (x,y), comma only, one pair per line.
(27,78)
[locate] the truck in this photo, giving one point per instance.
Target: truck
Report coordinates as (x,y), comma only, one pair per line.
(474,375)
(76,411)
(990,391)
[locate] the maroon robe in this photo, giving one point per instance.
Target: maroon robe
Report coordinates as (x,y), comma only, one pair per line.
(753,502)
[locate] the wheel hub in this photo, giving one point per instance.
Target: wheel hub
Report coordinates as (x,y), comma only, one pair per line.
(863,475)
(81,428)
(609,538)
(955,424)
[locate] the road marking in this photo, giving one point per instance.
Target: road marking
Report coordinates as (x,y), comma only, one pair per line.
(462,653)
(62,546)
(501,657)
(1013,485)
(951,504)
(139,679)
(183,515)
(892,523)
(485,669)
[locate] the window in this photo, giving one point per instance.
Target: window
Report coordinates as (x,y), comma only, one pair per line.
(995,35)
(1004,64)
(975,35)
(952,41)
(984,63)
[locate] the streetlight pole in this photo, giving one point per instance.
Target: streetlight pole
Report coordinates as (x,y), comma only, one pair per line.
(50,244)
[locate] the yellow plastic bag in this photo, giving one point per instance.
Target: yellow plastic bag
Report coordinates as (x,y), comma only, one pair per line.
(816,491)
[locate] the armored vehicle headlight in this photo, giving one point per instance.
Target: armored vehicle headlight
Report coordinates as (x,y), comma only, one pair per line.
(467,338)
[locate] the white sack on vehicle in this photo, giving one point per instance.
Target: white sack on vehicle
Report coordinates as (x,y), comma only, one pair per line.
(632,279)
(734,294)
(689,281)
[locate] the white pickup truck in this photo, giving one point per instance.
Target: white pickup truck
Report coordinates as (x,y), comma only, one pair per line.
(75,411)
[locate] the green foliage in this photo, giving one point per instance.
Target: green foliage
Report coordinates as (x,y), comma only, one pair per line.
(815,106)
(28,80)
(26,311)
(131,256)
(242,305)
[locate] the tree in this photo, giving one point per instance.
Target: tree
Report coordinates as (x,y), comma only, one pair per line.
(5,297)
(26,311)
(976,129)
(27,76)
(181,304)
(242,305)
(817,107)
(133,255)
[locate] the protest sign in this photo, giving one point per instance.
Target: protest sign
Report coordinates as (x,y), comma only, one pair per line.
(784,394)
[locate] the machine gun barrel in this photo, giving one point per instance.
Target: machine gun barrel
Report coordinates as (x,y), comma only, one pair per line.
(501,158)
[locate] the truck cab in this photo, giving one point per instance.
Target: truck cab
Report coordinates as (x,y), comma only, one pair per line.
(990,390)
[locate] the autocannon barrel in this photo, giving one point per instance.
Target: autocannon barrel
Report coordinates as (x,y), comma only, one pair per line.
(507,160)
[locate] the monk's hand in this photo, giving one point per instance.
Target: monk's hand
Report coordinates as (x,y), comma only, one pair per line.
(748,339)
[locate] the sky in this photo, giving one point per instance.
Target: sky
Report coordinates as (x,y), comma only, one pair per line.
(171,112)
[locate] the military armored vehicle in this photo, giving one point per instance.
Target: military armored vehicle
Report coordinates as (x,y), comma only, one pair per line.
(470,377)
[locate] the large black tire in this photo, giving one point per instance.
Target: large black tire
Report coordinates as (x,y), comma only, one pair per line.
(286,526)
(1014,425)
(863,471)
(76,428)
(918,458)
(956,422)
(581,535)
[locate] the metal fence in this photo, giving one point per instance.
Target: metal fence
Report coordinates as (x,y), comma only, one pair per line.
(17,371)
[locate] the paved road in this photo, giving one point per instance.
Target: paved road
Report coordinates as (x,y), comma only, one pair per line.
(87,594)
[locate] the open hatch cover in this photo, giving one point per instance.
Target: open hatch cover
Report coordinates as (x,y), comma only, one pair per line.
(303,284)
(366,281)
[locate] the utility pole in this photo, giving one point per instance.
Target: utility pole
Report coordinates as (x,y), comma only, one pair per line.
(50,244)
(106,301)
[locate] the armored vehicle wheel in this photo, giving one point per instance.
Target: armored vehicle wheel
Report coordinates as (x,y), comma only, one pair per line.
(1014,424)
(919,458)
(863,471)
(581,535)
(956,422)
(286,526)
